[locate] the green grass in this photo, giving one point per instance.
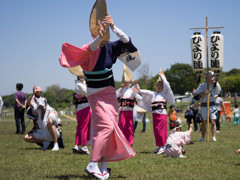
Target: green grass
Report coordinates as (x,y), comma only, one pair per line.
(212,160)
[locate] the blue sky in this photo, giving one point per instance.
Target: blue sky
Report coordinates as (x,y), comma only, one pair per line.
(32,33)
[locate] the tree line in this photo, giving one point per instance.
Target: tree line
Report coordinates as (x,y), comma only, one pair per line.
(181,77)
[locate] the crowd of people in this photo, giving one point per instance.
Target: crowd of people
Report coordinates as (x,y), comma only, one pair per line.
(105,115)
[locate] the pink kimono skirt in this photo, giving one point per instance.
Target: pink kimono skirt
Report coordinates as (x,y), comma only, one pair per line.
(108,143)
(83,127)
(160,128)
(126,125)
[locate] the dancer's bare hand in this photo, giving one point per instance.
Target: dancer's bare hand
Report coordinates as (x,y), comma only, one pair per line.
(108,20)
(101,29)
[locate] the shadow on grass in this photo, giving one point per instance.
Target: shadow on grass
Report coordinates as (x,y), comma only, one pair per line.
(30,149)
(145,152)
(238,164)
(66,177)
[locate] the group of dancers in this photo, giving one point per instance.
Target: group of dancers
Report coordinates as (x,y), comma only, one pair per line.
(110,127)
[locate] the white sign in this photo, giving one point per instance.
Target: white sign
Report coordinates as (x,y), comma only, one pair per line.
(216,50)
(198,52)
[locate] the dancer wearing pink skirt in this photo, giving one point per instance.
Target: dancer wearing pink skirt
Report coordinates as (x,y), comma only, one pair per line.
(155,102)
(96,59)
(84,115)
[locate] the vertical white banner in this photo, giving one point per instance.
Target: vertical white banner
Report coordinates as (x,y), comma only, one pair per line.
(198,52)
(216,51)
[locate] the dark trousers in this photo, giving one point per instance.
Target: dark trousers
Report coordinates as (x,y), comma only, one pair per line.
(218,121)
(144,124)
(194,118)
(19,116)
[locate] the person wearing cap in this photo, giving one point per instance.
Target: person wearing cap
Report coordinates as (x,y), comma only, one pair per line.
(19,108)
(176,140)
(84,115)
(203,91)
(156,103)
(127,98)
(96,59)
(47,123)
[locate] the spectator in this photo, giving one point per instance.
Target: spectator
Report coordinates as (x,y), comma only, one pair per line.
(172,114)
(19,108)
(1,105)
(236,115)
(219,104)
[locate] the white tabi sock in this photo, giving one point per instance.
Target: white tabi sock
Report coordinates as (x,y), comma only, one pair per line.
(76,147)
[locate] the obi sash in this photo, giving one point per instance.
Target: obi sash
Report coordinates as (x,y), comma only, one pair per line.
(79,100)
(127,102)
(99,79)
(158,105)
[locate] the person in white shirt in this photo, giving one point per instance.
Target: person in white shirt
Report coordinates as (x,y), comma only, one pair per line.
(47,122)
(214,89)
(236,115)
(1,105)
(84,114)
(156,103)
(219,104)
(127,97)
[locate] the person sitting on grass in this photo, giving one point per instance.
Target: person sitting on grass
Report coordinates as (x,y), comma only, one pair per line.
(176,139)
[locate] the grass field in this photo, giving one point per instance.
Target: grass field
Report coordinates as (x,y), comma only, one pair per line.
(212,160)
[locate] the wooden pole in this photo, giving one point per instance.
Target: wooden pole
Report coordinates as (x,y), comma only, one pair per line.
(207,134)
(207,128)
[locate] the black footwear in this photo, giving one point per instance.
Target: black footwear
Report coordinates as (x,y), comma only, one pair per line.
(17,132)
(23,132)
(60,141)
(75,151)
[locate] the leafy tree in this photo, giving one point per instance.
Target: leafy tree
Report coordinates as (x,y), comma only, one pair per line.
(182,78)
(231,83)
(233,72)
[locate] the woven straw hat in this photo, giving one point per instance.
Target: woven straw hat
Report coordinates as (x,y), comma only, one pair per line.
(76,70)
(98,12)
(127,77)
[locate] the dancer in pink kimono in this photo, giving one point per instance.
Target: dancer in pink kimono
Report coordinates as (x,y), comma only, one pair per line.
(127,97)
(155,102)
(84,115)
(176,140)
(96,59)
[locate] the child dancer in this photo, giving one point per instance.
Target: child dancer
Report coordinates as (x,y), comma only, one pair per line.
(176,139)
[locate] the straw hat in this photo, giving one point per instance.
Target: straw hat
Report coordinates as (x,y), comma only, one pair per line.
(159,75)
(98,12)
(76,70)
(127,77)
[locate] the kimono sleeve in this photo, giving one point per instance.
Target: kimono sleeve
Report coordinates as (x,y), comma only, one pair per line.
(145,103)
